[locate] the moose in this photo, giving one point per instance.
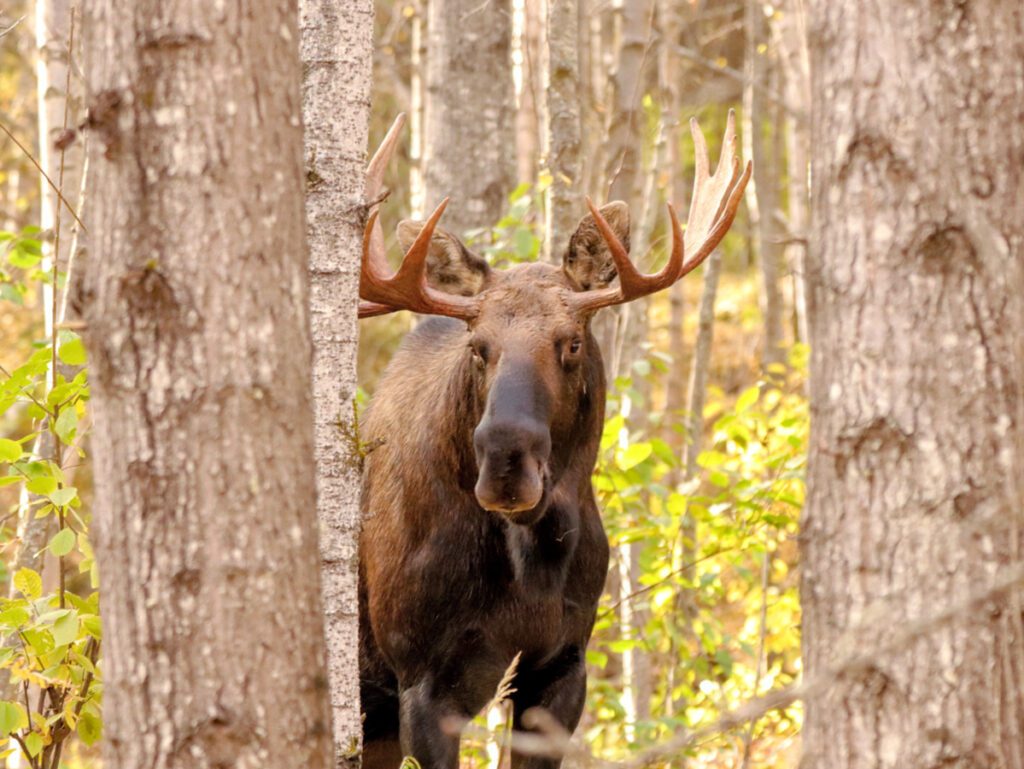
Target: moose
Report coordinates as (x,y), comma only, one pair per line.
(482,539)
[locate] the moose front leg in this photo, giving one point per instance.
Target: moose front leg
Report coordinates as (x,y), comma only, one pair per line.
(561,690)
(429,727)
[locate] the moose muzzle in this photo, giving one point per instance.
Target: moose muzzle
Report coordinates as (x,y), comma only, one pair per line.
(512,458)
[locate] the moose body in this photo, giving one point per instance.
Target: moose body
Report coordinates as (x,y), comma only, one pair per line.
(482,538)
(456,591)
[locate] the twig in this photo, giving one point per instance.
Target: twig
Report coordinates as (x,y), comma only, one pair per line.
(734,74)
(647,588)
(8,30)
(39,168)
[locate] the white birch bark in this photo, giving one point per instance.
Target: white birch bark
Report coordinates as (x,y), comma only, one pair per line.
(337,55)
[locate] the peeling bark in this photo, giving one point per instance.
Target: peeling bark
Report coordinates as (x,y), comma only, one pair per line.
(916,286)
(196,305)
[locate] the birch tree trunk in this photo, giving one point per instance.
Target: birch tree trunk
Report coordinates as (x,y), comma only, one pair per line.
(917,331)
(198,336)
(469,115)
(337,54)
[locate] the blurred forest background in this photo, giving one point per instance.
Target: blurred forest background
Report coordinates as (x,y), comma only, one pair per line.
(517,109)
(701,474)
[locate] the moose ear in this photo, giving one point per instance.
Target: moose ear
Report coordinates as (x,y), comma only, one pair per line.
(451,267)
(587,261)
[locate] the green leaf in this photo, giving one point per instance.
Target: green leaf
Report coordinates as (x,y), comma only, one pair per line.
(65,630)
(92,625)
(10,451)
(62,543)
(25,255)
(718,478)
(72,353)
(44,485)
(28,583)
(748,398)
(14,616)
(63,497)
(66,424)
(634,455)
(12,718)
(34,743)
(90,728)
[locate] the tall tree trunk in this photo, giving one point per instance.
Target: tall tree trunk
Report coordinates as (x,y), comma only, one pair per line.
(670,22)
(529,44)
(792,38)
(762,192)
(417,67)
(200,366)
(469,120)
(625,117)
(337,55)
(917,329)
(563,130)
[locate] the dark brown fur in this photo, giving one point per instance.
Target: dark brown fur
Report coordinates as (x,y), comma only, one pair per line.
(451,592)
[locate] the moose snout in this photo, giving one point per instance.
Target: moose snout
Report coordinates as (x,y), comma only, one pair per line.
(512,460)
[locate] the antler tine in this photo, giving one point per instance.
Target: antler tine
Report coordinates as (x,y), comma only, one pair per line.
(724,218)
(716,198)
(374,184)
(407,289)
(632,283)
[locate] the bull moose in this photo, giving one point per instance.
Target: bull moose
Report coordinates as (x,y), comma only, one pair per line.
(482,538)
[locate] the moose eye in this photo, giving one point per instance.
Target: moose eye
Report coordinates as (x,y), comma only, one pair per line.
(479,353)
(570,350)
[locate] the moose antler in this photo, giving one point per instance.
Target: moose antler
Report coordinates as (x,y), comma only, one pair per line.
(712,209)
(716,198)
(406,289)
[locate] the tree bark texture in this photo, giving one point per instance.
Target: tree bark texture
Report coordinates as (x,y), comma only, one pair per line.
(200,366)
(762,192)
(916,288)
(337,54)
(528,45)
(562,86)
(417,75)
(469,115)
(625,118)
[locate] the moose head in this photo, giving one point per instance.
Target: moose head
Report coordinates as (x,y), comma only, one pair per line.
(528,349)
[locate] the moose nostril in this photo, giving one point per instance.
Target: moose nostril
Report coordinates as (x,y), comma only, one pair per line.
(513,461)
